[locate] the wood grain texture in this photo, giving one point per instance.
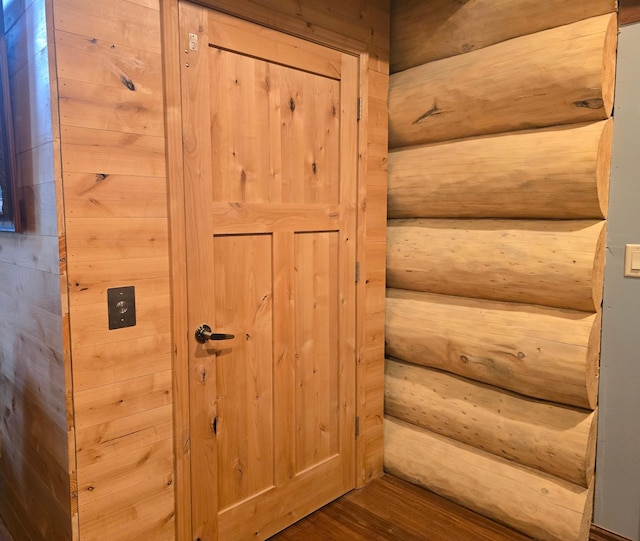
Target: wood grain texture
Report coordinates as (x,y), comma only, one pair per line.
(629,11)
(100,46)
(517,175)
(371,253)
(179,346)
(242,389)
(545,353)
(453,171)
(32,111)
(34,462)
(548,437)
(567,73)
(125,23)
(110,402)
(390,508)
(422,32)
(531,502)
(114,474)
(328,27)
(193,99)
(317,375)
(361,26)
(145,509)
(551,263)
(49,521)
(95,62)
(113,163)
(127,359)
(23,362)
(242,397)
(257,98)
(4,533)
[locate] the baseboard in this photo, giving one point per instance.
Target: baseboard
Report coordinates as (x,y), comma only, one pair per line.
(629,11)
(600,534)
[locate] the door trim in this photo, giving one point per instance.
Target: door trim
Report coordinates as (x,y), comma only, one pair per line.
(370,243)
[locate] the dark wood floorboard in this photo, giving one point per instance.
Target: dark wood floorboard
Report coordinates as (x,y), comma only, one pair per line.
(4,533)
(391,509)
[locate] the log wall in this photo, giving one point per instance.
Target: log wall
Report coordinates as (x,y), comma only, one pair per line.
(498,192)
(422,32)
(36,469)
(473,94)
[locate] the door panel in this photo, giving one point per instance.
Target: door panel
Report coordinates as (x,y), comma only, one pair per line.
(316,345)
(270,160)
(265,151)
(244,419)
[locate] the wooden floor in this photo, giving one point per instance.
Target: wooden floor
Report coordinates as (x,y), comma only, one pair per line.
(4,533)
(389,508)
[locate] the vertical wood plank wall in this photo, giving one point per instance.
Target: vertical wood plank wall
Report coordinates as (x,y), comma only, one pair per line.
(36,428)
(498,188)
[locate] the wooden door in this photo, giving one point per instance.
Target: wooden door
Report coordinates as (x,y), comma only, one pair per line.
(270,158)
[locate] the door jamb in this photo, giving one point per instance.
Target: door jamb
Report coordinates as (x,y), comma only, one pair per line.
(171,59)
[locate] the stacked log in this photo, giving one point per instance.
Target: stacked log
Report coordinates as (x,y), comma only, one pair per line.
(539,262)
(472,179)
(548,437)
(535,351)
(422,32)
(498,193)
(557,76)
(545,507)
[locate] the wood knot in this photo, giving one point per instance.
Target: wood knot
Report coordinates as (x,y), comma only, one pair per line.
(595,103)
(128,83)
(431,112)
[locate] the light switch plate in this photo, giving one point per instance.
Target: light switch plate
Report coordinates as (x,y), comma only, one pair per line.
(121,305)
(632,260)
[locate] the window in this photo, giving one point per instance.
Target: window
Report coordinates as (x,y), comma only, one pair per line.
(9,208)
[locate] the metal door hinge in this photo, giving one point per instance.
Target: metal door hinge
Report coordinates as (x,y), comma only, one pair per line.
(359,108)
(357,427)
(357,271)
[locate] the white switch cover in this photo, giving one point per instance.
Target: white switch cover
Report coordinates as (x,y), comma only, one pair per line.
(632,260)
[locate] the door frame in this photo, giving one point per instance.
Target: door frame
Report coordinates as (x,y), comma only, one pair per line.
(370,250)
